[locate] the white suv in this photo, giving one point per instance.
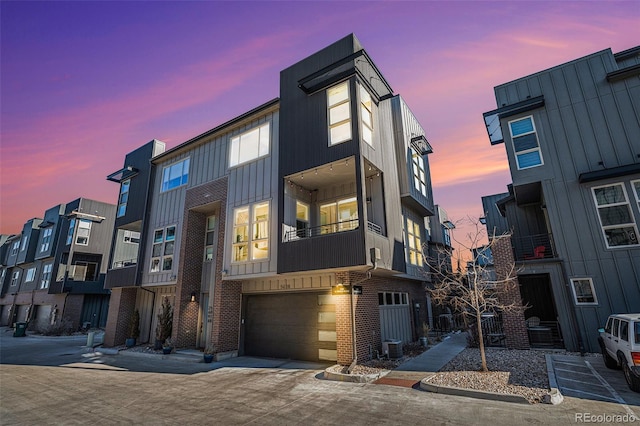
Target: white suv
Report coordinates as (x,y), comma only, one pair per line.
(620,344)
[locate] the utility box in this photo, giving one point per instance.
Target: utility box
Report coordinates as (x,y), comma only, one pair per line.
(392,348)
(21,329)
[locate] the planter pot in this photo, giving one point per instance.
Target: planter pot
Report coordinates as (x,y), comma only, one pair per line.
(424,342)
(166,351)
(130,342)
(208,358)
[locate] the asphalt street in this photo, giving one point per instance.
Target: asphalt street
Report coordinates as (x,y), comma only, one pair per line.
(67,383)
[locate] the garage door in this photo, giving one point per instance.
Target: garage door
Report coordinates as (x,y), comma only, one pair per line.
(299,326)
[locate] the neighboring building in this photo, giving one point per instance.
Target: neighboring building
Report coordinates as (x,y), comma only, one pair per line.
(572,136)
(52,273)
(249,228)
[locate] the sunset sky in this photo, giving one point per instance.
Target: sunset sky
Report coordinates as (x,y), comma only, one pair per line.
(84,83)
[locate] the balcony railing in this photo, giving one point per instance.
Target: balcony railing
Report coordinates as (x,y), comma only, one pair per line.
(292,234)
(124,263)
(534,247)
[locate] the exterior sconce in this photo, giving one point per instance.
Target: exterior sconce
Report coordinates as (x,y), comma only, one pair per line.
(193,296)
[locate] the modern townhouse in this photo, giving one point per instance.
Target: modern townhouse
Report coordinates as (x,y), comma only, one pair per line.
(294,230)
(572,137)
(53,271)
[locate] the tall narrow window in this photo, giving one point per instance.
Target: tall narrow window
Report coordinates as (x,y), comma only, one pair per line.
(162,249)
(72,227)
(25,240)
(46,276)
(339,112)
(616,219)
(175,175)
(414,243)
(419,173)
(583,291)
(249,145)
(525,143)
(123,198)
(46,239)
(366,112)
(15,247)
(14,278)
(84,229)
(260,243)
(251,233)
(209,243)
(241,234)
(302,219)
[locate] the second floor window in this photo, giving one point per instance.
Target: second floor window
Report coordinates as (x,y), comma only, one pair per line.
(615,215)
(84,230)
(14,278)
(249,145)
(525,143)
(366,112)
(251,233)
(419,172)
(339,113)
(209,242)
(15,247)
(162,249)
(414,243)
(30,276)
(339,216)
(46,276)
(123,198)
(46,239)
(175,175)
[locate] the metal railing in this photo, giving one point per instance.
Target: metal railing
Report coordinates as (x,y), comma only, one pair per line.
(124,263)
(316,231)
(534,247)
(374,227)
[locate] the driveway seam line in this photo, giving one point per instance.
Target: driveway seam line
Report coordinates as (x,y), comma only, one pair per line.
(613,392)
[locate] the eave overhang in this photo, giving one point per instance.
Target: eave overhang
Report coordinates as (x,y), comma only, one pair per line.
(492,118)
(612,172)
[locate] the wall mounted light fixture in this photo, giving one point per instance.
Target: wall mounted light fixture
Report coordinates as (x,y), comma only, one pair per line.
(193,296)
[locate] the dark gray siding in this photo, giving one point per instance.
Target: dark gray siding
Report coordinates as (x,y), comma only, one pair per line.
(496,223)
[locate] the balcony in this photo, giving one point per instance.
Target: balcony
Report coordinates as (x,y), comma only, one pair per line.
(534,247)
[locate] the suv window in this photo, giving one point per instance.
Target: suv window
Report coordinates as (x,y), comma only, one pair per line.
(607,327)
(616,323)
(637,333)
(624,331)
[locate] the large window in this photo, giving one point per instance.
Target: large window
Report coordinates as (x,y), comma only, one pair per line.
(339,112)
(525,143)
(302,219)
(614,212)
(339,216)
(419,173)
(366,111)
(414,243)
(583,291)
(84,230)
(175,175)
(251,233)
(46,276)
(46,239)
(209,243)
(123,198)
(30,275)
(162,249)
(249,145)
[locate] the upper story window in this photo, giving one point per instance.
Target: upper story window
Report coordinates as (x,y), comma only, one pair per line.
(46,275)
(614,212)
(250,145)
(14,278)
(251,233)
(15,247)
(123,198)
(525,143)
(414,247)
(84,230)
(46,239)
(339,112)
(366,112)
(419,173)
(162,250)
(72,227)
(131,237)
(339,216)
(209,242)
(583,291)
(25,240)
(30,275)
(302,219)
(636,191)
(175,175)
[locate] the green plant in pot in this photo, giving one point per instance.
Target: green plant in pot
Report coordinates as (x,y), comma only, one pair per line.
(167,346)
(165,323)
(134,329)
(209,353)
(424,340)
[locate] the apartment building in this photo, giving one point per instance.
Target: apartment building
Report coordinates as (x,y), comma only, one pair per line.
(572,137)
(294,230)
(52,273)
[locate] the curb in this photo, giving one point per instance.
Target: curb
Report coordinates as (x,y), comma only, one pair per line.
(354,378)
(554,397)
(471,393)
(172,356)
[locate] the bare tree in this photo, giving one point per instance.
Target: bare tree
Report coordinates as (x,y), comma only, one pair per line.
(477,290)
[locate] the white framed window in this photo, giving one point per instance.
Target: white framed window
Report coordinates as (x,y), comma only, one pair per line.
(15,277)
(419,173)
(525,143)
(636,191)
(341,215)
(339,113)
(162,249)
(251,233)
(583,291)
(414,243)
(175,175)
(366,112)
(123,198)
(24,242)
(209,242)
(30,275)
(46,275)
(46,239)
(131,237)
(250,145)
(84,230)
(15,247)
(393,298)
(615,215)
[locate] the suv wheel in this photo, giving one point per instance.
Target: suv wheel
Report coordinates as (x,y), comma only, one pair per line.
(609,361)
(632,380)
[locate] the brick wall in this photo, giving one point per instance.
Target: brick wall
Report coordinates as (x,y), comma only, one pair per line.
(121,306)
(515,328)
